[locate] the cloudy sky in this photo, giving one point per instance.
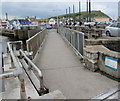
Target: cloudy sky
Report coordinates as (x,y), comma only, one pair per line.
(48,8)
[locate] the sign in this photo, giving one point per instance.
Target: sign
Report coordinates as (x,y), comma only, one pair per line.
(111,63)
(25,23)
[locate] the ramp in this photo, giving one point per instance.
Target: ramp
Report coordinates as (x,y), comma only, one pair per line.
(62,70)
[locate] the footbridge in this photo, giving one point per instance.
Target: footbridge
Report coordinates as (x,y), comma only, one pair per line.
(54,60)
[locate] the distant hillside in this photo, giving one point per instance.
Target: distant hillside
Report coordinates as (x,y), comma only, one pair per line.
(84,15)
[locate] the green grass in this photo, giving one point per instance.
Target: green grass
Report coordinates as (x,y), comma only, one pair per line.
(84,15)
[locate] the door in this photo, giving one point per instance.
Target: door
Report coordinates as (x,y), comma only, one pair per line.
(114,29)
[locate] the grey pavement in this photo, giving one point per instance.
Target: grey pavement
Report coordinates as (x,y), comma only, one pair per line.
(62,70)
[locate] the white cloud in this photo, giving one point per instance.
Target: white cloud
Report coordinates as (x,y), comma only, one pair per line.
(107,8)
(46,9)
(98,6)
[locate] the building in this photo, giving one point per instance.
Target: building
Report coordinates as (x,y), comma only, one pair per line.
(101,19)
(42,20)
(33,20)
(52,21)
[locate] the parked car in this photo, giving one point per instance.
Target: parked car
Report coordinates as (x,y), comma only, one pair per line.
(4,24)
(113,29)
(48,27)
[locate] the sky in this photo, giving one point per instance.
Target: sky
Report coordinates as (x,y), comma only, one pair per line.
(48,8)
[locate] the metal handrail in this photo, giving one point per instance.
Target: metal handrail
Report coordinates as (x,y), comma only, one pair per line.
(31,63)
(15,61)
(7,75)
(75,31)
(34,43)
(21,62)
(36,71)
(18,71)
(35,35)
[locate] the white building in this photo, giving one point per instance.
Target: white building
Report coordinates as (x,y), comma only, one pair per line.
(52,21)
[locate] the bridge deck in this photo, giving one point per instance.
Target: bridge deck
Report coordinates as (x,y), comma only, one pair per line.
(62,70)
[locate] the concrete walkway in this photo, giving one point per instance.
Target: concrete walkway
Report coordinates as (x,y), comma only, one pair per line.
(62,70)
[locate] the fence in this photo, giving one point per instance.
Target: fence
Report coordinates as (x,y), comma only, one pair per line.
(75,39)
(36,41)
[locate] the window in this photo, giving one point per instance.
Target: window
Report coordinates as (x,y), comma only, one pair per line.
(114,25)
(118,25)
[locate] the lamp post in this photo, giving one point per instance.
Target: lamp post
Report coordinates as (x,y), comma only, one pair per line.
(69,15)
(57,21)
(89,10)
(66,16)
(79,13)
(6,16)
(73,14)
(57,17)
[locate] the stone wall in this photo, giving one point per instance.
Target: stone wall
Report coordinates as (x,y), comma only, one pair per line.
(26,33)
(112,43)
(95,55)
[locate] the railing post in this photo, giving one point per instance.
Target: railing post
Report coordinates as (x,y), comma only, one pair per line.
(22,87)
(12,64)
(21,44)
(2,63)
(2,82)
(41,83)
(78,42)
(43,89)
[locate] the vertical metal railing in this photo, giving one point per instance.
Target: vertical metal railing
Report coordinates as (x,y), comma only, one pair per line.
(18,68)
(15,63)
(20,62)
(74,38)
(34,43)
(29,66)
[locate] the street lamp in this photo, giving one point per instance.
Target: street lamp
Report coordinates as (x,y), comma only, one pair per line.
(57,20)
(79,13)
(66,15)
(57,16)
